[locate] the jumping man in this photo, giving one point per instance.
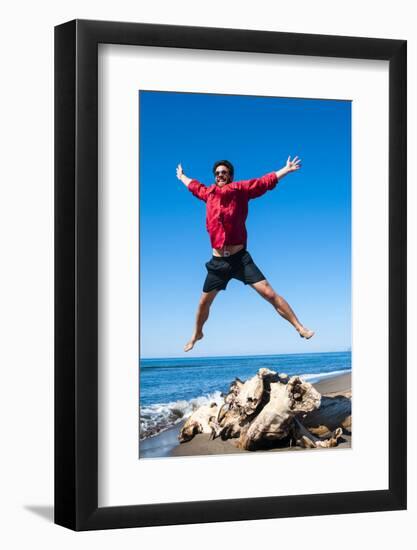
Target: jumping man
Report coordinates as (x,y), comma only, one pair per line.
(226,213)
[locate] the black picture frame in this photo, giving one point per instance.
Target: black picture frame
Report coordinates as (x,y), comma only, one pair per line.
(76,273)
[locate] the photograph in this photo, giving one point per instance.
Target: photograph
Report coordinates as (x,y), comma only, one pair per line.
(244,275)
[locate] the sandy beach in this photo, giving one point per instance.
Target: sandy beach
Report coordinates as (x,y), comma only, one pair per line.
(166,443)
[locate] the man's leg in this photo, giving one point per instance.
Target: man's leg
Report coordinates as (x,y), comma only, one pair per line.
(281,306)
(202,315)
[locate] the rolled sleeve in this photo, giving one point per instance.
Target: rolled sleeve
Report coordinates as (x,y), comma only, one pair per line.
(198,189)
(258,186)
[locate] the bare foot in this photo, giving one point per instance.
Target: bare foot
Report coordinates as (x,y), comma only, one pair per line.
(305,333)
(193,340)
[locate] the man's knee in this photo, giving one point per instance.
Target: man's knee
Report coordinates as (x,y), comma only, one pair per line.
(207,298)
(203,302)
(269,294)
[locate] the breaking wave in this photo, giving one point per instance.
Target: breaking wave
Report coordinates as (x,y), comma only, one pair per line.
(159,417)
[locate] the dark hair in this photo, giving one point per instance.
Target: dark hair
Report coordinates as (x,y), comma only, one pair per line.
(226,163)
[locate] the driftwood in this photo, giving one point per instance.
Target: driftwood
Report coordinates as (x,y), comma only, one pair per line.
(201,421)
(269,409)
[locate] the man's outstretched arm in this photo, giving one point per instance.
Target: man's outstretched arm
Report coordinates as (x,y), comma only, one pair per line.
(290,166)
(258,186)
(197,189)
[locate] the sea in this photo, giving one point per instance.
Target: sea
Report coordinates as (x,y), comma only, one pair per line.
(171,389)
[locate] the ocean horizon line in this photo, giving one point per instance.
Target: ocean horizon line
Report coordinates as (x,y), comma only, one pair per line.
(190,358)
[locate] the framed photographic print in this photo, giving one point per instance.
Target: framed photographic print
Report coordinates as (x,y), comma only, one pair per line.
(230,274)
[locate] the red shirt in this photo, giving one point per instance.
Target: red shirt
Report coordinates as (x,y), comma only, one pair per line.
(227,207)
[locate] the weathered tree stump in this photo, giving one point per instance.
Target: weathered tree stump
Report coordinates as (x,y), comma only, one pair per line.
(271,407)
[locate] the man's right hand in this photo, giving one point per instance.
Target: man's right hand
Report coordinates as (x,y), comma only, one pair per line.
(181,176)
(180,172)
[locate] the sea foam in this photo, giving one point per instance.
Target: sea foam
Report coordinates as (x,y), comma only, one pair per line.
(316,377)
(159,417)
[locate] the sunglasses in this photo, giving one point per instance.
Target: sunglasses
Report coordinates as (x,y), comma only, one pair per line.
(221,173)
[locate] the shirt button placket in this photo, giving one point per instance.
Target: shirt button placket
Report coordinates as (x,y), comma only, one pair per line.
(221,220)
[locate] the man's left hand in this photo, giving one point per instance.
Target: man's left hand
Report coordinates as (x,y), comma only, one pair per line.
(293,165)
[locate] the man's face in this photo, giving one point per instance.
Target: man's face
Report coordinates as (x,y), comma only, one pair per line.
(222,175)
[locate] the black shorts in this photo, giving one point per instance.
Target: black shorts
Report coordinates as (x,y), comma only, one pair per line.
(240,266)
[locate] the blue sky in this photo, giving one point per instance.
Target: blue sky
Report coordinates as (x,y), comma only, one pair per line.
(299,234)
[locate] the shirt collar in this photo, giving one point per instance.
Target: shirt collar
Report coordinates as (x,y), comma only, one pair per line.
(211,188)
